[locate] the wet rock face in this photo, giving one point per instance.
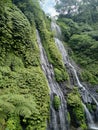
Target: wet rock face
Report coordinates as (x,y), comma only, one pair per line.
(72,68)
(58,107)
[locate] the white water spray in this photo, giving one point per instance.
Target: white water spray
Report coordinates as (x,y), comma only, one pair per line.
(58,119)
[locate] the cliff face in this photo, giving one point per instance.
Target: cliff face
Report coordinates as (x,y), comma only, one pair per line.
(24,90)
(34,69)
(24,93)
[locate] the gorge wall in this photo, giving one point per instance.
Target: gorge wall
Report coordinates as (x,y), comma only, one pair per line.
(39,86)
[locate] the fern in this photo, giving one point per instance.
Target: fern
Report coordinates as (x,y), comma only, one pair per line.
(6,107)
(23,111)
(18,104)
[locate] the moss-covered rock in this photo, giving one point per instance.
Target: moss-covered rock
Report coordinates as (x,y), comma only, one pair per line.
(76,110)
(61,74)
(56,102)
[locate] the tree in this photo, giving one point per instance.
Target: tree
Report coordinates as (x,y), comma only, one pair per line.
(88,9)
(80,10)
(67,6)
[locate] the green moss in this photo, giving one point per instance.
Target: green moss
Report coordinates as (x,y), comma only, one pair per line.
(26,81)
(83,126)
(84,46)
(69,118)
(56,102)
(13,124)
(36,17)
(52,52)
(65,31)
(20,72)
(89,106)
(76,109)
(89,77)
(2,124)
(60,75)
(17,36)
(94,107)
(6,2)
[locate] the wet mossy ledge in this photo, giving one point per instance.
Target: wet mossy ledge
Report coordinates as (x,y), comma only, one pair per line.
(76,110)
(24,92)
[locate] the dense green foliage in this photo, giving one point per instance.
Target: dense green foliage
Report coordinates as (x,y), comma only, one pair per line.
(68,27)
(76,110)
(82,39)
(78,20)
(79,24)
(85,48)
(91,107)
(24,94)
(61,75)
(34,12)
(24,100)
(56,102)
(80,10)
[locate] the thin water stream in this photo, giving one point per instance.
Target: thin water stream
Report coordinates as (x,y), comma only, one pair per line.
(58,118)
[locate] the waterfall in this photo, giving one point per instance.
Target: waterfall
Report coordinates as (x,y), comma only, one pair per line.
(58,118)
(89,119)
(86,97)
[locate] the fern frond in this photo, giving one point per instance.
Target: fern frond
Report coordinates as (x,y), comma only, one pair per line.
(23,111)
(19,104)
(6,107)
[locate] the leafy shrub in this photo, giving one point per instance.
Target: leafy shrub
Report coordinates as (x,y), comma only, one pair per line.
(23,86)
(71,25)
(76,109)
(46,35)
(89,77)
(81,42)
(60,75)
(13,124)
(56,102)
(65,31)
(85,27)
(89,106)
(82,39)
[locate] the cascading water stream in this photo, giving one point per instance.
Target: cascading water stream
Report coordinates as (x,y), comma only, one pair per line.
(86,97)
(85,94)
(89,118)
(58,119)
